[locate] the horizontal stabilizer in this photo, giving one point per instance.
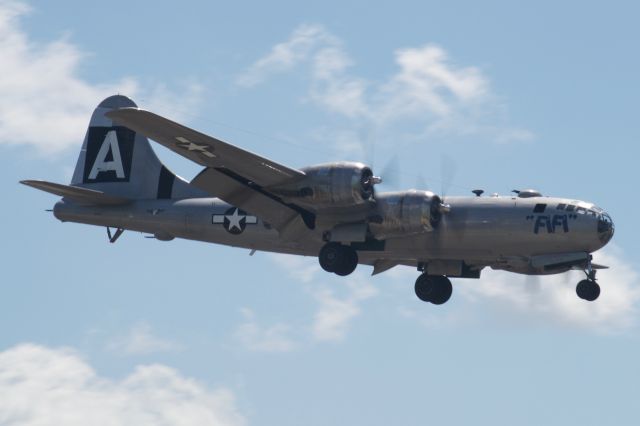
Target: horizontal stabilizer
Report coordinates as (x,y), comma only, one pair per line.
(77,194)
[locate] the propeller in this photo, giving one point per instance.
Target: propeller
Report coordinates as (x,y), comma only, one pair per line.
(367,181)
(448,170)
(391,176)
(390,172)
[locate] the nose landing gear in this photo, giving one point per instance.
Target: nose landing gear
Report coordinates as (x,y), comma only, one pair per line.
(588,289)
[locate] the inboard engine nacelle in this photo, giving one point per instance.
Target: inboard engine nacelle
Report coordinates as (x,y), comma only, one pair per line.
(404,213)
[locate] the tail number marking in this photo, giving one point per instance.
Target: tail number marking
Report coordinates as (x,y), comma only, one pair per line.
(109,154)
(101,164)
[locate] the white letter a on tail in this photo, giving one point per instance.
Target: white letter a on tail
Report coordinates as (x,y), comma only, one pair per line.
(101,164)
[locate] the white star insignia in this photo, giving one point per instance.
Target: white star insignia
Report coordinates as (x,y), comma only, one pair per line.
(234,220)
(190,146)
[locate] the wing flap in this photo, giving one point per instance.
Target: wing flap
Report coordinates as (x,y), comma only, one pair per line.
(205,150)
(77,194)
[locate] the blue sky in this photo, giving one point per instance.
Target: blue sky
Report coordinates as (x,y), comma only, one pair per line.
(493,95)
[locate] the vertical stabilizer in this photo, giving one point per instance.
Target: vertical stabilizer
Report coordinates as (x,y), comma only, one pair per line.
(118,161)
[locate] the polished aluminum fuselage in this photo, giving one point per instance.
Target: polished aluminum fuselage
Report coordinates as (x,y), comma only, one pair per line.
(501,232)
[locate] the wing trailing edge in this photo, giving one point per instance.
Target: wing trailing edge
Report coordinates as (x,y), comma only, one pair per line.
(290,220)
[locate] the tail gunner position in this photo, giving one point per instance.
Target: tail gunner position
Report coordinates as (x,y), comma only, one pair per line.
(331,211)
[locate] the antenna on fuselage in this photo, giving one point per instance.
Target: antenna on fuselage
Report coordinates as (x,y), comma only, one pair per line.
(478,192)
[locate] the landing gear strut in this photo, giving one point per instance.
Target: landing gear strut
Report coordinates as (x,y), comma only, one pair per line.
(436,289)
(337,258)
(588,289)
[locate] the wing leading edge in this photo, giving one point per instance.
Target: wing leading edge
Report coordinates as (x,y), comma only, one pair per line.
(205,150)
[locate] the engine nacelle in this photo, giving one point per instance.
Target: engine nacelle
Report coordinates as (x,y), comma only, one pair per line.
(333,185)
(405,213)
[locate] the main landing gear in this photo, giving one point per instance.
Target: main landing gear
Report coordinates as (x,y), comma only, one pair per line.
(588,289)
(436,289)
(337,258)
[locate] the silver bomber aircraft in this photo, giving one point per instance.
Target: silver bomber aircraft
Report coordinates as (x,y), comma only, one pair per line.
(331,211)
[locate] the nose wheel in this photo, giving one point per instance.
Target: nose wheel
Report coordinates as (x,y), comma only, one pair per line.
(588,289)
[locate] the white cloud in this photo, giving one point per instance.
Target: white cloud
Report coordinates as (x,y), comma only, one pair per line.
(505,297)
(428,88)
(335,313)
(285,56)
(550,300)
(141,341)
(303,269)
(499,296)
(337,305)
(553,298)
(43,100)
(427,82)
(335,90)
(256,338)
(44,386)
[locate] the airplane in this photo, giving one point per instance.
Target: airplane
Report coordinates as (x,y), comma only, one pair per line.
(329,211)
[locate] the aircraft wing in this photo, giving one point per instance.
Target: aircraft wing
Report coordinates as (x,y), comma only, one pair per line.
(231,174)
(205,150)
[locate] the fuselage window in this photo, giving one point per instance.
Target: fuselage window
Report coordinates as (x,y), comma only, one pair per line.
(592,213)
(581,210)
(571,208)
(539,208)
(561,206)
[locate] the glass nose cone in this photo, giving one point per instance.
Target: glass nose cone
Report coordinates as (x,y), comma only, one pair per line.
(605,228)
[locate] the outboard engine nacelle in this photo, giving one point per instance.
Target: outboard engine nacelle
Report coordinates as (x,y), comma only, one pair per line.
(340,184)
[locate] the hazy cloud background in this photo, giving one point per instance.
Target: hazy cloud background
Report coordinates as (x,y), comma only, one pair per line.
(46,386)
(44,101)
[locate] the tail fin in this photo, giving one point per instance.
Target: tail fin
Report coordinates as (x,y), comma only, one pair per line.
(120,162)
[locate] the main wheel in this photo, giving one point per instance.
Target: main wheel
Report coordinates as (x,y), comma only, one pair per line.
(335,257)
(329,256)
(588,290)
(424,287)
(436,289)
(442,290)
(348,261)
